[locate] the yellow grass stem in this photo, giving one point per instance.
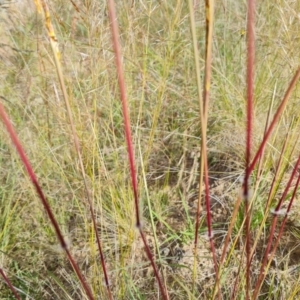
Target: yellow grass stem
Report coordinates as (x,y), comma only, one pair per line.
(56,54)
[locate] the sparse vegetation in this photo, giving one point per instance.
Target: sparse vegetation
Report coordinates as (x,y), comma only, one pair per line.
(167,135)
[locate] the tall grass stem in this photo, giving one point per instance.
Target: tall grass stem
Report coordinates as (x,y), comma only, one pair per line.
(126,118)
(25,161)
(11,287)
(56,53)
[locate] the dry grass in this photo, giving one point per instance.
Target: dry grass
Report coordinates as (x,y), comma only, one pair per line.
(161,85)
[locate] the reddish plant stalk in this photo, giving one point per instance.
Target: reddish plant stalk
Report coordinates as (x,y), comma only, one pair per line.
(206,94)
(250,88)
(203,105)
(260,161)
(123,95)
(274,222)
(126,118)
(11,287)
(271,191)
(250,92)
(250,85)
(209,5)
(275,119)
(271,255)
(45,203)
(198,78)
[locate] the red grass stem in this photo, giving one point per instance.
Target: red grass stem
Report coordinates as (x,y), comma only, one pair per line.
(126,118)
(206,94)
(123,95)
(209,5)
(11,287)
(275,119)
(45,203)
(250,92)
(276,213)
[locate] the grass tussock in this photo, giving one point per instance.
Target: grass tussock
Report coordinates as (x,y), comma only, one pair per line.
(88,186)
